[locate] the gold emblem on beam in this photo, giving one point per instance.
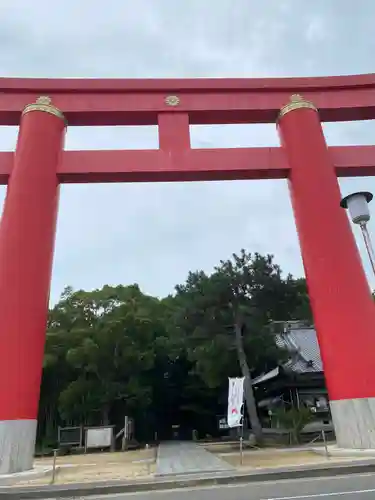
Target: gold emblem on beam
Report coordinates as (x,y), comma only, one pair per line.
(172,100)
(44,104)
(296,102)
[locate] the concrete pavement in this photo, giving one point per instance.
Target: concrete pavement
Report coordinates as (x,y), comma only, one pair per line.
(354,487)
(187,458)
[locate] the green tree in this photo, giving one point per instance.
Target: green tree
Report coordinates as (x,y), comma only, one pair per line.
(115,351)
(224,318)
(105,338)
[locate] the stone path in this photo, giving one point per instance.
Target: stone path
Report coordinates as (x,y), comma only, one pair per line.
(187,458)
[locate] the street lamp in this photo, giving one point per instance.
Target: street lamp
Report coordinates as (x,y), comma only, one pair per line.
(357,204)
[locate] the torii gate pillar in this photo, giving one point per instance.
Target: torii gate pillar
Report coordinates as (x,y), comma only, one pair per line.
(343,309)
(27,235)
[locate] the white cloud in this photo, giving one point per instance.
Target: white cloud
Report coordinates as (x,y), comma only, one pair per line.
(153,234)
(317,30)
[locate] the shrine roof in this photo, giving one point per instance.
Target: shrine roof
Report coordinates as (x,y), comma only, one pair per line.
(302,344)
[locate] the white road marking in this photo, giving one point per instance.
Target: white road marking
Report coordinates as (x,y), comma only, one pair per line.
(323,495)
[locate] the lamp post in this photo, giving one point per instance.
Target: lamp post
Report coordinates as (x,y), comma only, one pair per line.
(357,204)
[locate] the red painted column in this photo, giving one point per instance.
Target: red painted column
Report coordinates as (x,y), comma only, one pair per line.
(344,312)
(27,235)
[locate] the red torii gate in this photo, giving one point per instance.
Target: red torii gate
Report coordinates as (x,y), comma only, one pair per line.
(343,309)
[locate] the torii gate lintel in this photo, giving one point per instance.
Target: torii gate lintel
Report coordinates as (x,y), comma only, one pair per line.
(220,164)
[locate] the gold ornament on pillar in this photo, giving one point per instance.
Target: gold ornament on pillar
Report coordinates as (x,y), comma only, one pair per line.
(44,104)
(296,102)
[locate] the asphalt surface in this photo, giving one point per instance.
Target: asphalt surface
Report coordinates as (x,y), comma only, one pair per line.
(353,487)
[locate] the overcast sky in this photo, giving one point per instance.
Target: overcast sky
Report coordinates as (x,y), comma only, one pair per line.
(155,234)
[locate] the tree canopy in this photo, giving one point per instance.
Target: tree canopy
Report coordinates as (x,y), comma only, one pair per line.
(116,351)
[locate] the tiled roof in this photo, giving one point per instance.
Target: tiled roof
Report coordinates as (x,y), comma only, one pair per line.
(266,376)
(302,343)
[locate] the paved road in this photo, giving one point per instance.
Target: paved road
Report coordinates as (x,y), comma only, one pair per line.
(361,487)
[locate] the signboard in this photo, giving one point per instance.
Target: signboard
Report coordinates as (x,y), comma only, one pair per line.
(223,423)
(70,436)
(99,437)
(235,402)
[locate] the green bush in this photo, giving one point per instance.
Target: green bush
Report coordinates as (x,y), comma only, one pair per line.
(294,420)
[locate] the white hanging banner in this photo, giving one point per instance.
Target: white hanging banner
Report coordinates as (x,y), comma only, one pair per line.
(235,402)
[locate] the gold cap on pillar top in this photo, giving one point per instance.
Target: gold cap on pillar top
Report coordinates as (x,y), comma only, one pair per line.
(296,102)
(44,104)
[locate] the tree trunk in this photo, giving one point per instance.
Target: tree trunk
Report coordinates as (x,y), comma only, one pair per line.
(105,414)
(248,387)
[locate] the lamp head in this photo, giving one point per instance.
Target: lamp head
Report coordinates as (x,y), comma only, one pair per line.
(357,204)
